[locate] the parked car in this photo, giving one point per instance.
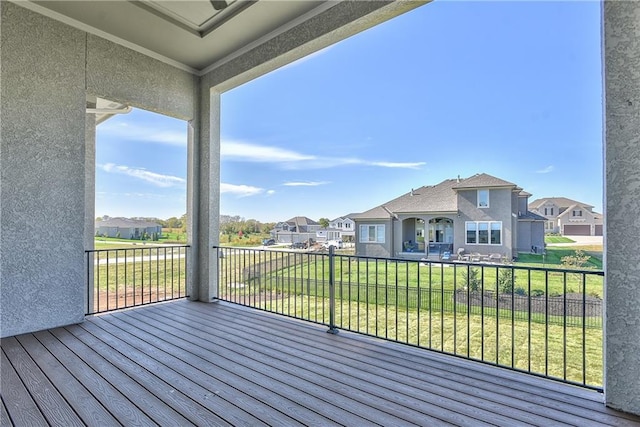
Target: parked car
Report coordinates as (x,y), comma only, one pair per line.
(299,245)
(335,243)
(268,242)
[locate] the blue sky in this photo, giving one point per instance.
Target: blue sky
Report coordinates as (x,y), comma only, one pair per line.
(512,89)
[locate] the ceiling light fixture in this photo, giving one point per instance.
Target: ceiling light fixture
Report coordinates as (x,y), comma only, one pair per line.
(219,4)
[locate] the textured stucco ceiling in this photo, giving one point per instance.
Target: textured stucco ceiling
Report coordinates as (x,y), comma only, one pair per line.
(191,34)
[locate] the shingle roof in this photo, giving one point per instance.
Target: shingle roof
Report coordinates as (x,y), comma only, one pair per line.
(434,198)
(532,216)
(561,202)
(483,180)
(301,220)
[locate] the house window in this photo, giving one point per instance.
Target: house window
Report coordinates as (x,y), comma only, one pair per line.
(549,225)
(577,213)
(472,230)
(548,211)
(339,225)
(347,225)
(372,234)
(484,232)
(496,233)
(483,198)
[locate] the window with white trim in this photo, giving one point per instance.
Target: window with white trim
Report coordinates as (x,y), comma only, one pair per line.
(577,213)
(372,233)
(483,232)
(483,198)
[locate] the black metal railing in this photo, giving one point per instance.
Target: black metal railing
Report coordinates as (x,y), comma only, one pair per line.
(543,321)
(122,278)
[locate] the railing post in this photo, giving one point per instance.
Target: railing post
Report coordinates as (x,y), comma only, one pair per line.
(332,292)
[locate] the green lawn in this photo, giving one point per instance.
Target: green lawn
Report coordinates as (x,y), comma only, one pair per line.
(557,239)
(536,347)
(554,255)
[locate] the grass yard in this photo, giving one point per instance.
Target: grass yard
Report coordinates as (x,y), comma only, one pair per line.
(554,255)
(557,239)
(521,345)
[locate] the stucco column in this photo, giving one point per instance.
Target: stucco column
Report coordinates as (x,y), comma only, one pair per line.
(204,196)
(622,210)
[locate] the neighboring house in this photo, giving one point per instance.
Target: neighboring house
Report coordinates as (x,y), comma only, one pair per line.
(296,229)
(568,217)
(343,228)
(126,228)
(482,214)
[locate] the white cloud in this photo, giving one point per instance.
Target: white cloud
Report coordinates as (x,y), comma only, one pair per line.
(404,165)
(259,153)
(288,159)
(271,192)
(134,132)
(305,183)
(240,190)
(157,179)
(545,170)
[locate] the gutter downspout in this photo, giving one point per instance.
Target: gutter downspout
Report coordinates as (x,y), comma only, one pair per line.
(393,217)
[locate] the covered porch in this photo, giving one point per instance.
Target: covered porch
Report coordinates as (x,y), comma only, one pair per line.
(192,363)
(206,362)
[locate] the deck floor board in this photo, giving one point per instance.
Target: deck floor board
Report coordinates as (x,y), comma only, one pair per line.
(187,363)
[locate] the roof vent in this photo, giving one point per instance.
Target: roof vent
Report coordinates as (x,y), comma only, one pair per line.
(412,192)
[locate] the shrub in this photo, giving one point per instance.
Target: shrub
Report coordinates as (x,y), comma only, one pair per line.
(537,293)
(472,278)
(577,260)
(520,291)
(506,278)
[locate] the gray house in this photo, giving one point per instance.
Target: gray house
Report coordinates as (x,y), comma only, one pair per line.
(296,229)
(568,217)
(127,228)
(481,214)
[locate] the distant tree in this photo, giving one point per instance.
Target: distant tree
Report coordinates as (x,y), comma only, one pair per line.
(266,228)
(183,221)
(173,222)
(324,222)
(99,218)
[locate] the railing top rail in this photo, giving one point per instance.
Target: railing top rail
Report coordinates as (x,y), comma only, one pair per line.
(137,247)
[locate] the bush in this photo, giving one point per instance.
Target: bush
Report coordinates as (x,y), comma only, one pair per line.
(506,278)
(537,293)
(472,278)
(520,291)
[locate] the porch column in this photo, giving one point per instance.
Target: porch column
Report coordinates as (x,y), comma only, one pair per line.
(204,196)
(622,189)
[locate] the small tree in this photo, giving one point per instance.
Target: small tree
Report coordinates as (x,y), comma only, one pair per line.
(472,278)
(577,260)
(324,222)
(506,279)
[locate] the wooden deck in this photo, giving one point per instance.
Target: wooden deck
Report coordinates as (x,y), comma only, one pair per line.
(184,363)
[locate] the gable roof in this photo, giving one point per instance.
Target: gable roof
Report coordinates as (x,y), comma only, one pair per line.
(483,180)
(441,197)
(561,202)
(301,221)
